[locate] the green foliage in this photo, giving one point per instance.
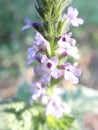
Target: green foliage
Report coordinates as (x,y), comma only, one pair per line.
(52,22)
(29,117)
(13,114)
(60,123)
(19,115)
(51,9)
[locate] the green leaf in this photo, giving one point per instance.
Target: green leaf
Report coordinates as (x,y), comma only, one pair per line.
(23,92)
(60,123)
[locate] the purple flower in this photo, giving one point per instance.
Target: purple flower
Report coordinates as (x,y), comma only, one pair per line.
(72,14)
(39,46)
(67,46)
(67,38)
(71,72)
(47,69)
(29,23)
(32,56)
(40,41)
(37,91)
(56,107)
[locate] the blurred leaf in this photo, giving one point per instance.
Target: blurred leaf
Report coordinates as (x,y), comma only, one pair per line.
(23,92)
(63,123)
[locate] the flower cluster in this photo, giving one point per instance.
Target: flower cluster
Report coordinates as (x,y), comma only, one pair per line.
(50,50)
(56,107)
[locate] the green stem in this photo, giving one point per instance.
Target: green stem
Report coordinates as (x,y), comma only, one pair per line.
(50,91)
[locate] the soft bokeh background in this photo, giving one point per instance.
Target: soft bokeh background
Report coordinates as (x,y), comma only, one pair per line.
(14,44)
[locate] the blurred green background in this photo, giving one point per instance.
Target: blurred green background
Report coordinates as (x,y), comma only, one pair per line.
(14,42)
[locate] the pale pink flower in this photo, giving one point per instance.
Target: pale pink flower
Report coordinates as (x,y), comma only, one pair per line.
(67,46)
(57,107)
(72,14)
(71,72)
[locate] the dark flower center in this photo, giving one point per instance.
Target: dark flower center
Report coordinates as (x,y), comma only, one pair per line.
(63,39)
(64,54)
(49,65)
